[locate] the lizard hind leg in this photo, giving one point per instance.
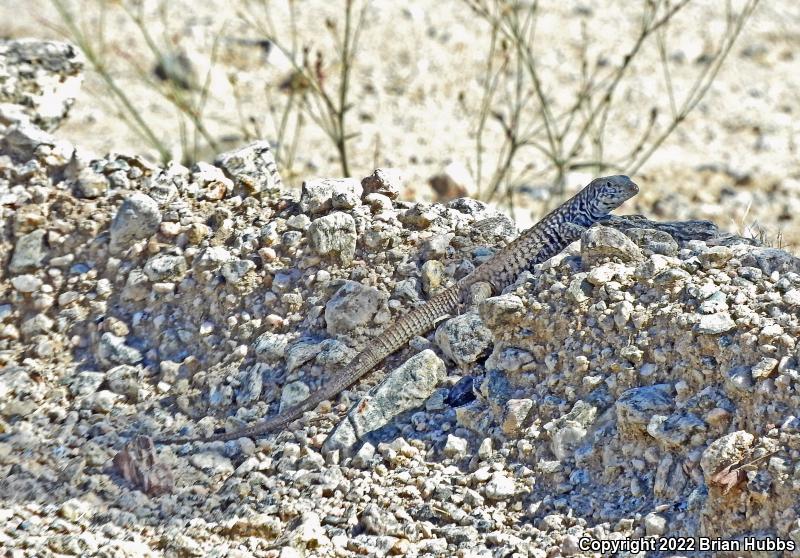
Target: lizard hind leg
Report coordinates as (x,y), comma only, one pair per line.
(473,295)
(478,292)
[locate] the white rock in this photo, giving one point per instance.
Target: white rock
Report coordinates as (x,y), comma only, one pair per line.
(455,447)
(26,283)
(137,218)
(499,487)
(655,524)
(715,324)
(212,463)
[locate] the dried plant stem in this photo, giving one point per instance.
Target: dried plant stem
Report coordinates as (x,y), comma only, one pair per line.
(327,110)
(129,112)
(561,137)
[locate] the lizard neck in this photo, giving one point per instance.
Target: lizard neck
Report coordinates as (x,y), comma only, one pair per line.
(583,211)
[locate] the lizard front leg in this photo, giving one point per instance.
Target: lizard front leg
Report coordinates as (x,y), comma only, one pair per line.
(573,230)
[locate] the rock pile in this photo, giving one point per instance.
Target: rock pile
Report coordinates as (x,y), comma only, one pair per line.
(646,385)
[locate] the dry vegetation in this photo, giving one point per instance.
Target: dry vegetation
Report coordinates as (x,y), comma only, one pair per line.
(546,130)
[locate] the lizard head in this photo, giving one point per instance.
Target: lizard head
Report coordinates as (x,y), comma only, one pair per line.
(609,192)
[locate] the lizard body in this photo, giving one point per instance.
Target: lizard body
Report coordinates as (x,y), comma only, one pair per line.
(557,230)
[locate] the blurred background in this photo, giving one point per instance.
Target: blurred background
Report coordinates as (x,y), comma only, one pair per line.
(515,103)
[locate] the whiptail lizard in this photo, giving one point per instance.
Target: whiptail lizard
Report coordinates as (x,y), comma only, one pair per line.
(557,230)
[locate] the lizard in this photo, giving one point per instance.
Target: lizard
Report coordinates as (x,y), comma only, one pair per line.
(557,230)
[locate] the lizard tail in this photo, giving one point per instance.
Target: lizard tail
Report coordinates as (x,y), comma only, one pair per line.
(418,321)
(365,360)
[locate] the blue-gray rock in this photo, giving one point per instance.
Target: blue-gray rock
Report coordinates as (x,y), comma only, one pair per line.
(211,258)
(252,168)
(499,227)
(290,239)
(301,352)
(84,383)
(334,235)
(23,139)
(436,402)
(636,406)
(739,379)
(579,289)
(29,252)
(284,281)
(403,389)
(252,382)
(319,195)
(670,278)
(271,346)
(163,267)
(771,259)
(352,306)
(137,218)
(137,286)
(496,388)
(677,429)
(601,242)
(333,354)
(461,393)
(292,394)
(234,270)
(463,338)
(407,290)
(112,349)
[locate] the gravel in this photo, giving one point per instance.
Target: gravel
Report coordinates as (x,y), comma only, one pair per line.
(626,389)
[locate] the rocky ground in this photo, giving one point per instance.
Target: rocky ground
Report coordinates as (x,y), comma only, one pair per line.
(639,386)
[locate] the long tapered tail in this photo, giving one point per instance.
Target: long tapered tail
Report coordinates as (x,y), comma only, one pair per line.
(416,322)
(545,239)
